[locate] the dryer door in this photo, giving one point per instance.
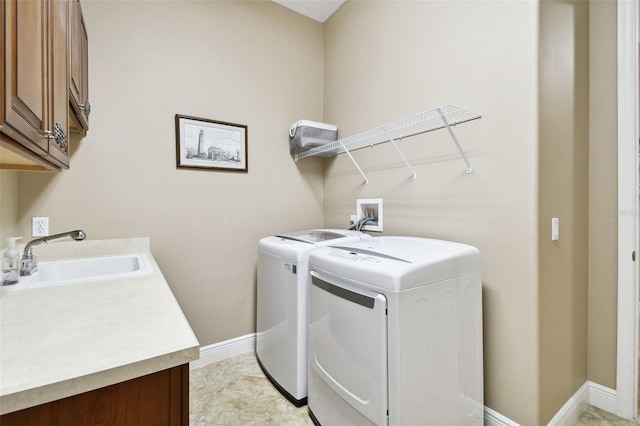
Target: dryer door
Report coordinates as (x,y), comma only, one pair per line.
(348,353)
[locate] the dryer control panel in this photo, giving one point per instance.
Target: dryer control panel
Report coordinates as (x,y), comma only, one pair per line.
(353,256)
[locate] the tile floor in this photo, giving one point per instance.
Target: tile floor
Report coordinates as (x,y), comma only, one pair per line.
(236,392)
(594,416)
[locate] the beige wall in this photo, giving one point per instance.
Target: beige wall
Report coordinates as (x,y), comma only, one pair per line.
(563,193)
(388,60)
(603,190)
(8,205)
(228,61)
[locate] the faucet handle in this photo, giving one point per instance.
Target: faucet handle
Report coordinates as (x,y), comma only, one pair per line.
(28,265)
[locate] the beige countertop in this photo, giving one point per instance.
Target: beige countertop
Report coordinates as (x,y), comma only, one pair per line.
(66,339)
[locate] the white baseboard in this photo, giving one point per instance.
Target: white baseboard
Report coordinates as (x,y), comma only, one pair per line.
(589,393)
(603,397)
(223,350)
(573,408)
(493,418)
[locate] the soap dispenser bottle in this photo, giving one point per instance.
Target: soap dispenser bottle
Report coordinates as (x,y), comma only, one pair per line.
(11,263)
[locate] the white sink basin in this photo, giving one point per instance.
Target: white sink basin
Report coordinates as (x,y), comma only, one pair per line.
(86,269)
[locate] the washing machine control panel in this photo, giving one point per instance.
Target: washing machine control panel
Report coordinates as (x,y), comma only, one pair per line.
(353,256)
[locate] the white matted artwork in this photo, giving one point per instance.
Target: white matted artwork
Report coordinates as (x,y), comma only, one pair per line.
(209,144)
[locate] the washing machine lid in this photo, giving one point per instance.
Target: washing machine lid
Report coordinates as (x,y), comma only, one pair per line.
(314,236)
(397,263)
(403,249)
(296,246)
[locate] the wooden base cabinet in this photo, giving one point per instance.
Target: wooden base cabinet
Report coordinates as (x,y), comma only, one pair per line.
(157,399)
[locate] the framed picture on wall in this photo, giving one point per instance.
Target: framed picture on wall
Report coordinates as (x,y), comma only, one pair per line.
(209,144)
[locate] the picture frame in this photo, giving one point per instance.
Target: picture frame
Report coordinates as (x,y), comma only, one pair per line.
(202,143)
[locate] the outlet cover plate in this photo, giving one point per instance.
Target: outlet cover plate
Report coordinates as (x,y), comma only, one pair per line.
(40,226)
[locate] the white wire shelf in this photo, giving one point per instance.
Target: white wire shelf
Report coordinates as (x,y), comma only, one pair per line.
(437,118)
(445,116)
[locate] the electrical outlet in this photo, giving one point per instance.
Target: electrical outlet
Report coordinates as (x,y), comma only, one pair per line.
(40,227)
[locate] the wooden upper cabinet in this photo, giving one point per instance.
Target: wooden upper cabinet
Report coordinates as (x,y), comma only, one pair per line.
(44,82)
(79,70)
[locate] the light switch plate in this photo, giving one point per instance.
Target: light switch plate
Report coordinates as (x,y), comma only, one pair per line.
(555,229)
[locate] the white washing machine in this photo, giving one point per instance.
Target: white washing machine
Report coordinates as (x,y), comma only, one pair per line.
(282,298)
(395,333)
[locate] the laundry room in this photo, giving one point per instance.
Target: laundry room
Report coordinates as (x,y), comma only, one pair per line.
(538,76)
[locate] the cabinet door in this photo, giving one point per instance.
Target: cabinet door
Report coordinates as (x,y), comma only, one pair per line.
(59,76)
(25,102)
(160,398)
(79,72)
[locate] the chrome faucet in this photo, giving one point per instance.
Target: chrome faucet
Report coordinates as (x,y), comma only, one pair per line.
(29,263)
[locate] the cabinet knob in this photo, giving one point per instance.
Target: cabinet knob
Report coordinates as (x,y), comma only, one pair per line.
(58,135)
(86,108)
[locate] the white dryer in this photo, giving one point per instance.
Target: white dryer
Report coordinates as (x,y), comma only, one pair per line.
(395,333)
(281,306)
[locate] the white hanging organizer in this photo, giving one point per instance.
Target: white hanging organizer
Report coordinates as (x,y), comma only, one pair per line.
(437,118)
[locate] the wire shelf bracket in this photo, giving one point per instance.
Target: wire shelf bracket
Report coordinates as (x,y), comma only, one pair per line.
(355,163)
(406,163)
(453,136)
(446,116)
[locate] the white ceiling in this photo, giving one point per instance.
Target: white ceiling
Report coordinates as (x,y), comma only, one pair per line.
(320,10)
